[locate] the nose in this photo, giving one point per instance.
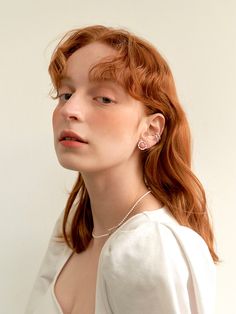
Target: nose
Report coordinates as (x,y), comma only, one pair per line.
(71,109)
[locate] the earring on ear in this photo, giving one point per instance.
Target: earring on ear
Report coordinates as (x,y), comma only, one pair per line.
(158,137)
(142,145)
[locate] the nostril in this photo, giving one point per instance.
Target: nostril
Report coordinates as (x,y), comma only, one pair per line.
(72,117)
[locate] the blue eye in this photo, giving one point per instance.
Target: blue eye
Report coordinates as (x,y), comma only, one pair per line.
(104,100)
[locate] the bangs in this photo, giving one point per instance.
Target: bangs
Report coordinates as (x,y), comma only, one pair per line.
(119,68)
(122,71)
(135,66)
(114,69)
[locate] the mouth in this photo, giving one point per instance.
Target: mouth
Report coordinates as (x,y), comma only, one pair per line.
(67,138)
(70,136)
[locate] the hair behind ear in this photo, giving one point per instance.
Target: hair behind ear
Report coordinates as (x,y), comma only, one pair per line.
(167,172)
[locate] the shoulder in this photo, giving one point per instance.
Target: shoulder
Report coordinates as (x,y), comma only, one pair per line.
(156,234)
(153,256)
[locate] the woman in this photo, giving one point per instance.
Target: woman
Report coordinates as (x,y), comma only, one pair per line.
(135,236)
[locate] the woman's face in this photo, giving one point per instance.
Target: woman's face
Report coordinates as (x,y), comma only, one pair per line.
(101,113)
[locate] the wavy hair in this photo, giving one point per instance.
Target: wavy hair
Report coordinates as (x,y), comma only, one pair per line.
(146,76)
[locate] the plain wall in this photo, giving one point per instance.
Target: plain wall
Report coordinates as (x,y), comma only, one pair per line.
(198,39)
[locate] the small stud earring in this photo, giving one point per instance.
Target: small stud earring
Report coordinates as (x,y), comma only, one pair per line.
(142,145)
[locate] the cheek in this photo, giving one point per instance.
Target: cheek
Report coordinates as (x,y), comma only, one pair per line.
(55,118)
(110,124)
(116,126)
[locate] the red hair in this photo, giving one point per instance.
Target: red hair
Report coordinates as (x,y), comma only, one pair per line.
(146,76)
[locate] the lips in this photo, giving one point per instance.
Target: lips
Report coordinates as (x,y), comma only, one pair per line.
(71,136)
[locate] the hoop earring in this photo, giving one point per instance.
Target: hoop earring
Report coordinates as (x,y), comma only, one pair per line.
(142,145)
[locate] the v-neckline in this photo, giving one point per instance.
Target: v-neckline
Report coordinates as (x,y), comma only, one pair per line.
(68,252)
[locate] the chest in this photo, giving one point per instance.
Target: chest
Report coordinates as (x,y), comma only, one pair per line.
(75,287)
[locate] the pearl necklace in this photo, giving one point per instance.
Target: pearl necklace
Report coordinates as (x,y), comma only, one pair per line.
(110,230)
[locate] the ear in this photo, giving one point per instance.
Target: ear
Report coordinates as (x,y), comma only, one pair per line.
(155,124)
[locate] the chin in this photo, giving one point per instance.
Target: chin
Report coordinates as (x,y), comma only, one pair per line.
(75,165)
(69,165)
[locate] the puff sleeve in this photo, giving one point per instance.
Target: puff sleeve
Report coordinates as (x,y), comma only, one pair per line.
(158,268)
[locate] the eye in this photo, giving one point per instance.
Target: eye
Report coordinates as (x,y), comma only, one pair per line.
(104,100)
(64,96)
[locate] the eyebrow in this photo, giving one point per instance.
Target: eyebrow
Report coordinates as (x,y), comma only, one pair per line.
(66,79)
(69,81)
(116,88)
(113,84)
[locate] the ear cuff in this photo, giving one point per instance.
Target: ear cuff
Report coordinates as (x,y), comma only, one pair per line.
(158,137)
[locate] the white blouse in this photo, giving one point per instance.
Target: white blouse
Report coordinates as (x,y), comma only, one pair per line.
(149,265)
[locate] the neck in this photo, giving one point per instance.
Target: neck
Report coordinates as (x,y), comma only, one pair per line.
(112,194)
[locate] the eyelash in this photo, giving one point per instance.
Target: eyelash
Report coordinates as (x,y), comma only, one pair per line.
(107,98)
(103,97)
(63,95)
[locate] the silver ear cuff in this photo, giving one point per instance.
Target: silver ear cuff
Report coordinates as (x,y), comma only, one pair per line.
(158,137)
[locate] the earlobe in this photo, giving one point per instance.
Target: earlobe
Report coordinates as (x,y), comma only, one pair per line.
(143,145)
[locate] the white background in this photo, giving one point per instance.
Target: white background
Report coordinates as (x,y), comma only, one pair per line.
(198,39)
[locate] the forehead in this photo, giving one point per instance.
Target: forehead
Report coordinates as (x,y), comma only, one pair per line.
(83,59)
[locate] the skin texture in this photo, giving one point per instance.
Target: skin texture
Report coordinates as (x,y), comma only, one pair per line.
(112,126)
